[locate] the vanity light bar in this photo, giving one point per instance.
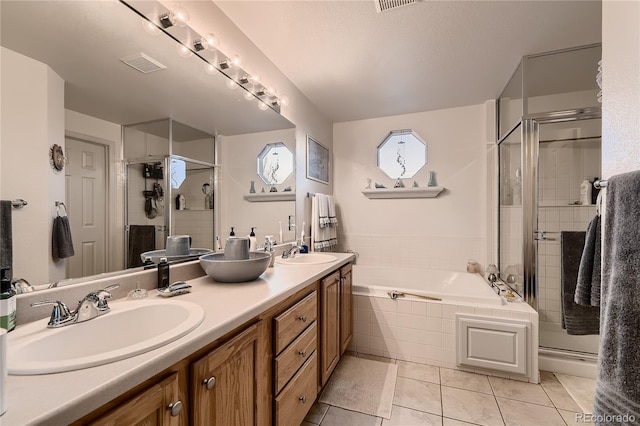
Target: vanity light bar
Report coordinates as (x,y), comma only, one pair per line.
(222,63)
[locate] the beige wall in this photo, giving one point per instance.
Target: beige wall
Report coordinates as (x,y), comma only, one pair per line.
(441,233)
(32,121)
(621,87)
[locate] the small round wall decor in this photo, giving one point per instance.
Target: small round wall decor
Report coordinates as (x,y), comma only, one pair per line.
(56,156)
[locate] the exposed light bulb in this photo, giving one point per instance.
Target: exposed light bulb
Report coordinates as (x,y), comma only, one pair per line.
(254,79)
(263,106)
(180,15)
(210,69)
(284,101)
(150,27)
(236,61)
(212,41)
(248,95)
(231,84)
(271,91)
(184,51)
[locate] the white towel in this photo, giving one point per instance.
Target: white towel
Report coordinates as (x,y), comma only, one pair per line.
(333,220)
(324,237)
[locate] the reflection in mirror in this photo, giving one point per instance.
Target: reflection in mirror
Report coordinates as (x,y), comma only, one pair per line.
(401,154)
(89,91)
(237,175)
(275,163)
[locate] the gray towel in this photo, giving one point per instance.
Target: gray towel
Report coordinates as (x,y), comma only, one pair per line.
(618,382)
(142,238)
(61,242)
(589,274)
(6,239)
(576,319)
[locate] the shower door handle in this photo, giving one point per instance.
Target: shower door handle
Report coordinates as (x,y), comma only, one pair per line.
(542,236)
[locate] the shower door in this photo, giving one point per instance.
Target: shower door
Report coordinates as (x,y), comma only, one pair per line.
(569,152)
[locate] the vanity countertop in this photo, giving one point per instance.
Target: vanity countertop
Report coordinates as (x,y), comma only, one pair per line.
(60,398)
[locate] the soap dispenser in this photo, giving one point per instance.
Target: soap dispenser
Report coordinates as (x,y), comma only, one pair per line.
(252,240)
(7,302)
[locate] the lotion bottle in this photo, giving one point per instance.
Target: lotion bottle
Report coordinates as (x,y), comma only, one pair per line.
(163,273)
(7,302)
(585,192)
(252,240)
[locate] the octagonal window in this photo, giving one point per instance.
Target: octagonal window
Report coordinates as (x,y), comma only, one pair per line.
(275,163)
(401,154)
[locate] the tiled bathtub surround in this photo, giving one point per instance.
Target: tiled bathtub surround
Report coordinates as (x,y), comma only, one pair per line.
(424,331)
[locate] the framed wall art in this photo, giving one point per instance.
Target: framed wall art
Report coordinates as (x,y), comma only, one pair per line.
(317,161)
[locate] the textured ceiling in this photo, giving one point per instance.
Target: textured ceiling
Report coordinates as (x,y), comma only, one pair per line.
(354,63)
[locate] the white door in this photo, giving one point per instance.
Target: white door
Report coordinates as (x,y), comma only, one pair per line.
(87,206)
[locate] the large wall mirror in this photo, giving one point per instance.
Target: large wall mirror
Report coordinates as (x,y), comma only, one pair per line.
(74,52)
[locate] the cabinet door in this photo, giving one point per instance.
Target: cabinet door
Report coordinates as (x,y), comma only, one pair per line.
(157,406)
(346,308)
(329,326)
(224,383)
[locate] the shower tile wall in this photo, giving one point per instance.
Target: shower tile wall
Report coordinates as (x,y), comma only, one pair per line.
(553,220)
(197,224)
(563,166)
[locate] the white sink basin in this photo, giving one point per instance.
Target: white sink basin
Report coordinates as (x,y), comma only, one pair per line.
(131,328)
(307,259)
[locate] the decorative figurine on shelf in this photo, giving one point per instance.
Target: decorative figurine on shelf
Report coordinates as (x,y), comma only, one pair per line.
(208,196)
(262,190)
(273,189)
(379,185)
(252,189)
(432,179)
(399,184)
(368,184)
(415,184)
(287,189)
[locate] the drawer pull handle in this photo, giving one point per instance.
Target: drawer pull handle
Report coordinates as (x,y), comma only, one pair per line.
(175,408)
(303,399)
(210,382)
(302,353)
(303,318)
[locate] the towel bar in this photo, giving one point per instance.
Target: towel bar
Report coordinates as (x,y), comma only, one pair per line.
(599,184)
(18,203)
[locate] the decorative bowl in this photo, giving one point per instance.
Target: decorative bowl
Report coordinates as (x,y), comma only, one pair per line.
(225,270)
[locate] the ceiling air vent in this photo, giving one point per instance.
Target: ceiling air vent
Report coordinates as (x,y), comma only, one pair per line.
(384,5)
(143,63)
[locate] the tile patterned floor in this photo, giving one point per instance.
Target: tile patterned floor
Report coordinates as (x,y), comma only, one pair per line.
(430,396)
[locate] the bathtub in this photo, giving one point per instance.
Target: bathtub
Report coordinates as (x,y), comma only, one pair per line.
(449,286)
(471,328)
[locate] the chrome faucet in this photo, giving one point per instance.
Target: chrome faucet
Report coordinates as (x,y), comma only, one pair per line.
(92,305)
(292,251)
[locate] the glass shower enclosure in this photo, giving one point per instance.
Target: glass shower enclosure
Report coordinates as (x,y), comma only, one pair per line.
(170,177)
(549,124)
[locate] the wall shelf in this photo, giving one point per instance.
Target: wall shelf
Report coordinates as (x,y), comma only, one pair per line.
(270,196)
(428,192)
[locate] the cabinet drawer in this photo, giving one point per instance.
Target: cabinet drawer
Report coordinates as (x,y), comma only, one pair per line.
(296,399)
(288,325)
(290,360)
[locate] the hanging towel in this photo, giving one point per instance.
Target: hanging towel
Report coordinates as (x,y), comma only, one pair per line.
(333,220)
(142,238)
(324,237)
(576,319)
(61,242)
(323,210)
(617,385)
(6,239)
(589,274)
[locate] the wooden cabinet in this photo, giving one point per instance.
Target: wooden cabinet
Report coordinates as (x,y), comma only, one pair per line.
(346,308)
(329,325)
(223,383)
(295,363)
(158,405)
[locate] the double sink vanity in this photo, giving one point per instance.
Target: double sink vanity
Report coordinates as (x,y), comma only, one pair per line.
(246,353)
